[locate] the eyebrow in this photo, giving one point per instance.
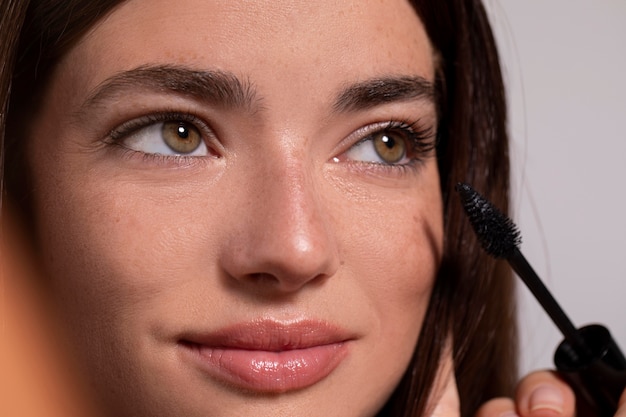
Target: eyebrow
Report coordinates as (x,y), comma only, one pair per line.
(378,91)
(225,89)
(218,87)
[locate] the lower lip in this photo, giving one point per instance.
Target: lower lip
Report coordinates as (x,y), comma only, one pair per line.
(271,372)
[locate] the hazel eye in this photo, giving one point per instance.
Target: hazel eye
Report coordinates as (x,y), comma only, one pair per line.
(390,149)
(181,137)
(169,137)
(382,147)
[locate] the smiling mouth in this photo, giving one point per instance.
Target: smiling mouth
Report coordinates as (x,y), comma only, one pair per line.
(268,356)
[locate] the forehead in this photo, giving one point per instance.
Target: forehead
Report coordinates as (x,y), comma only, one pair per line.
(300,39)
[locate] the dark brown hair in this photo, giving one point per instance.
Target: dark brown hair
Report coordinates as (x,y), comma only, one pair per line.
(474,295)
(473,298)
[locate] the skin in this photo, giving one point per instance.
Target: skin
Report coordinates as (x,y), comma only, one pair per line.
(540,394)
(283,219)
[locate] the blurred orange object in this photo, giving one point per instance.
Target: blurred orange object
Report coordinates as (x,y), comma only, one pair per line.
(35,377)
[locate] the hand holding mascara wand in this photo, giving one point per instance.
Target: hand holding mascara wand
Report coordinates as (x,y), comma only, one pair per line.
(588,358)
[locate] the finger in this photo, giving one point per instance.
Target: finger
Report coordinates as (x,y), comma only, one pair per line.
(544,394)
(498,407)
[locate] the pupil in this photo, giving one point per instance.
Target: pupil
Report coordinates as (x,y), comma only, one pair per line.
(183,132)
(389,142)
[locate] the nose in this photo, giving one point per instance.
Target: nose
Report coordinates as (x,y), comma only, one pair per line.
(283,238)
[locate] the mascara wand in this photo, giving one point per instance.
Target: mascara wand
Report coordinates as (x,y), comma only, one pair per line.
(588,358)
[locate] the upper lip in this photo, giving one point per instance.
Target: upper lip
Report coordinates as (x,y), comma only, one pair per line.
(271,335)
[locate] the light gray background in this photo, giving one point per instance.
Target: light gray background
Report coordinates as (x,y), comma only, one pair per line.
(565,68)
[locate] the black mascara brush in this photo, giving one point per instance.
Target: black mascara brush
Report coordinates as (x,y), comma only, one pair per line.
(588,357)
(501,239)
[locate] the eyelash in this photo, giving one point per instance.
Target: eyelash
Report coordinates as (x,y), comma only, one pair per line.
(121,132)
(420,139)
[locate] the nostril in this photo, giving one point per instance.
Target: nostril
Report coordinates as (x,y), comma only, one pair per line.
(284,283)
(263,278)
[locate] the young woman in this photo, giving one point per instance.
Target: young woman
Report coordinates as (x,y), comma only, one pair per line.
(247,208)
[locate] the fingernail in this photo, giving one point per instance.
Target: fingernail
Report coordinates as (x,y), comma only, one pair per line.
(546,398)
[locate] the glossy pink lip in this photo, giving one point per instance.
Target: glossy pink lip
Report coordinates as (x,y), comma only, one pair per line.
(269,356)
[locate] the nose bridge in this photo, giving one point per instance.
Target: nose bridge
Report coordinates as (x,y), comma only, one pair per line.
(293,206)
(284,233)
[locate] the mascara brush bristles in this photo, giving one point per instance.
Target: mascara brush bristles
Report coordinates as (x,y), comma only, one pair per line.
(497,234)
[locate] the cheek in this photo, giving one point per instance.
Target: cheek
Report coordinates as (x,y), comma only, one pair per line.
(402,269)
(395,237)
(395,250)
(108,244)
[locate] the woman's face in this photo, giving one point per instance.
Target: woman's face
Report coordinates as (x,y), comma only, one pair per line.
(239,205)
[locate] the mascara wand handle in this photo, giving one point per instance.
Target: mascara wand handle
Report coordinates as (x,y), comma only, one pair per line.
(600,381)
(527,274)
